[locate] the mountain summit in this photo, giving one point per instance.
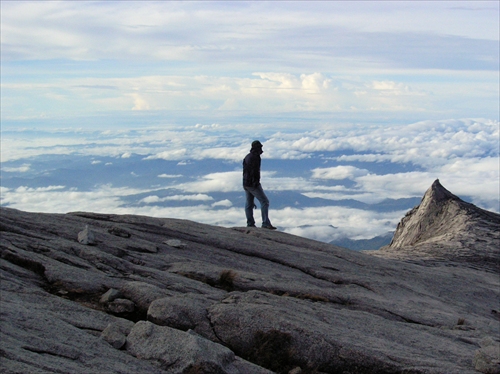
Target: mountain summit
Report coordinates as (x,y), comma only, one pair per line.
(444,227)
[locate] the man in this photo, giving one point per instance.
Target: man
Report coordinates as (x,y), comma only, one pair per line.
(253,189)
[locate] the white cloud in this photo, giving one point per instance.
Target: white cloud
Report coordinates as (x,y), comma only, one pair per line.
(428,143)
(223,203)
(315,82)
(338,172)
(271,182)
(391,88)
(213,126)
(153,199)
(25,189)
(283,80)
(19,169)
(317,223)
(56,199)
(395,186)
(173,154)
(200,197)
(372,157)
(477,178)
(170,176)
(223,182)
(274,92)
(150,199)
(140,103)
(224,153)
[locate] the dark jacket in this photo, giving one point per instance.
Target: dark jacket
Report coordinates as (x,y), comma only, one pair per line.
(251,168)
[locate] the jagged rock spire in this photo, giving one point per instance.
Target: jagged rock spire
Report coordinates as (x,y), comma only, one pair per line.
(441,216)
(437,194)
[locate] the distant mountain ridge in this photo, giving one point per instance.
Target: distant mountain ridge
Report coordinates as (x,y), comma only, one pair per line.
(374,243)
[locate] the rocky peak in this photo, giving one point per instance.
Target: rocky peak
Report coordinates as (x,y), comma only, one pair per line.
(445,227)
(437,194)
(424,221)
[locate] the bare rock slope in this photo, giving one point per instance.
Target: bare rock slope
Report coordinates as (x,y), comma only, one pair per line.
(148,295)
(444,228)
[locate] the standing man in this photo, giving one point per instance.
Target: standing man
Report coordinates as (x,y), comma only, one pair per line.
(253,188)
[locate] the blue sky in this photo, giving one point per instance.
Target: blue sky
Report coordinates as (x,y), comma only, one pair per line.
(147,107)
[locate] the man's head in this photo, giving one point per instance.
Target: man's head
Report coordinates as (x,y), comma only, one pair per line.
(256,144)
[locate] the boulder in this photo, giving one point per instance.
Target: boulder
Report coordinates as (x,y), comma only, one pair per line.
(143,293)
(121,306)
(86,236)
(116,333)
(487,358)
(316,336)
(109,296)
(183,312)
(117,231)
(183,352)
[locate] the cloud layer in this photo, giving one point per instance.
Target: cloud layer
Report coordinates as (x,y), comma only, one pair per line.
(194,172)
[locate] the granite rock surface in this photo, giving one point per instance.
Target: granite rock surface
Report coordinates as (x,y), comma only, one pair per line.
(160,295)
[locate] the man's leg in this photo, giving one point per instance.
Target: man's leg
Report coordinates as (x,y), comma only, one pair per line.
(249,205)
(258,192)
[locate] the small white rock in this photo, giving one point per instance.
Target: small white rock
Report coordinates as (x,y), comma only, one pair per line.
(86,236)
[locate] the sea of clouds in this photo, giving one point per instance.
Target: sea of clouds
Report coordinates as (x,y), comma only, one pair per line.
(325,180)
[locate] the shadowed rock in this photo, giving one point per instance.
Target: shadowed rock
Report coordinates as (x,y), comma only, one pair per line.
(246,301)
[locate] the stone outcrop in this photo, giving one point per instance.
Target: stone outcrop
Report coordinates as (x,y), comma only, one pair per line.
(487,359)
(169,296)
(86,236)
(180,352)
(444,228)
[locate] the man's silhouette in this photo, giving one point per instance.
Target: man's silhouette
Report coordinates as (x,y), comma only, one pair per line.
(253,188)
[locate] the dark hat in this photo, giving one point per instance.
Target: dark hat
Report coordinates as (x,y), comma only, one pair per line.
(256,144)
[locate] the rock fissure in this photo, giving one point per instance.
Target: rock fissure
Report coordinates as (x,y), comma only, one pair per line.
(214,330)
(23,261)
(406,319)
(51,352)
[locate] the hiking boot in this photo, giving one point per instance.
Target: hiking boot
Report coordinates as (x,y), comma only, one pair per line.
(269,227)
(251,226)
